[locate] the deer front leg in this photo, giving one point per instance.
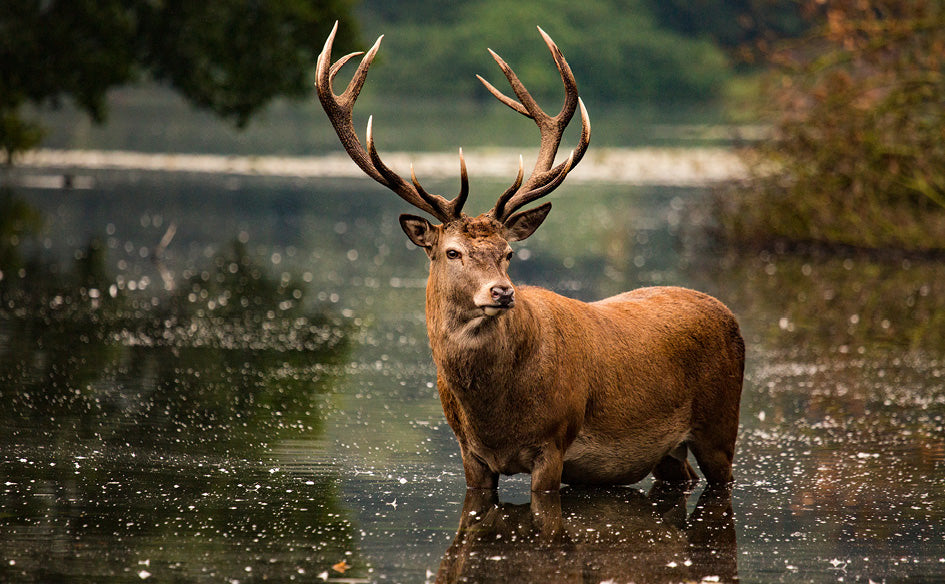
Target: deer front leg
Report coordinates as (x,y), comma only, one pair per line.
(478,474)
(546,513)
(546,469)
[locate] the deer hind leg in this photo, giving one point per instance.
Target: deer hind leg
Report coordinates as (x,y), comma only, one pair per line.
(715,462)
(715,420)
(713,437)
(714,450)
(675,468)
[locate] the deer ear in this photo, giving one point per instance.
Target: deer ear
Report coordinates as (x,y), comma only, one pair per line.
(418,230)
(521,225)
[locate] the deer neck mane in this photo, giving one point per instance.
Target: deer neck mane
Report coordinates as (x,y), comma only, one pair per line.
(484,347)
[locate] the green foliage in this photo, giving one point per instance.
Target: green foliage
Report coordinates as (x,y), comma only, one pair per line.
(52,49)
(376,12)
(737,25)
(228,56)
(615,47)
(17,134)
(859,129)
(234,56)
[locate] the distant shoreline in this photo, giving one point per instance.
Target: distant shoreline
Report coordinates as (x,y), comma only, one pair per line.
(637,166)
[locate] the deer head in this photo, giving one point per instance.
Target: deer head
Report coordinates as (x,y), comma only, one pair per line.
(469,255)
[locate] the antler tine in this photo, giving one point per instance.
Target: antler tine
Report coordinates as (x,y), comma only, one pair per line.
(545,177)
(516,86)
(567,77)
(523,198)
(499,210)
(341,63)
(453,208)
(435,205)
(456,206)
(340,110)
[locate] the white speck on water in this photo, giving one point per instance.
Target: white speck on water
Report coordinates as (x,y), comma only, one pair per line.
(839,564)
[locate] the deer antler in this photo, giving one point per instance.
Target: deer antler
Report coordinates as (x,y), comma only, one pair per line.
(544,178)
(340,108)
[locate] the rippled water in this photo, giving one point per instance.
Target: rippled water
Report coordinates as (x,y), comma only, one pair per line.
(253,399)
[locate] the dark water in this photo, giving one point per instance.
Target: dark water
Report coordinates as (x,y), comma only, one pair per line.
(254,400)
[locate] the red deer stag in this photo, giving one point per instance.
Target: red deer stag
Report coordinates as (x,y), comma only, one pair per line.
(530,381)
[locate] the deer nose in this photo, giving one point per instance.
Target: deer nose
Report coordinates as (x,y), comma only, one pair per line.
(503,295)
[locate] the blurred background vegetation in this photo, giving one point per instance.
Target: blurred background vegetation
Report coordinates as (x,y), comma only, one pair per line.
(857,110)
(236,57)
(850,93)
(231,57)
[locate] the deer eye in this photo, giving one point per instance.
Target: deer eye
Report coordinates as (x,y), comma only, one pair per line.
(508,256)
(453,254)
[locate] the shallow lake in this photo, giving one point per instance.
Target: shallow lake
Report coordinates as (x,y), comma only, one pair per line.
(227,379)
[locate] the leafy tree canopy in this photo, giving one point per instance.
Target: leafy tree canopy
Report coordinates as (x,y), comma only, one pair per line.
(616,48)
(229,56)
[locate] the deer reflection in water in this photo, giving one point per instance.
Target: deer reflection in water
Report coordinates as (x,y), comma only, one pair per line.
(618,535)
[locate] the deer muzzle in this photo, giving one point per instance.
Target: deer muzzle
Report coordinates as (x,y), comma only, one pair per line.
(501,296)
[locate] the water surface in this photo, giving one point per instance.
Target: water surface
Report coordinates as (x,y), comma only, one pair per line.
(224,379)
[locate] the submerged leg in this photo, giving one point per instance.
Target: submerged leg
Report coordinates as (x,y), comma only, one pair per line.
(715,461)
(714,449)
(715,423)
(675,468)
(478,475)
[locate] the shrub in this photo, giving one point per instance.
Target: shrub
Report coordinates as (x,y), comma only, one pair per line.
(858,118)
